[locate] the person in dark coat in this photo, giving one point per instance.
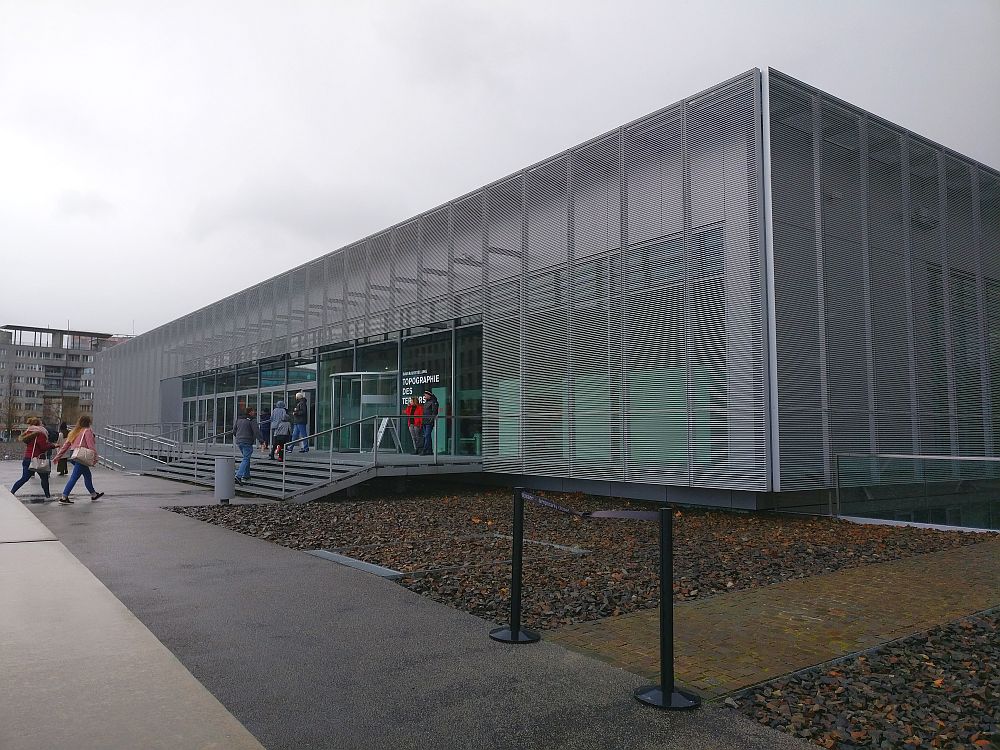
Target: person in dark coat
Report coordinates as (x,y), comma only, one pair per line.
(300,421)
(431,408)
(265,429)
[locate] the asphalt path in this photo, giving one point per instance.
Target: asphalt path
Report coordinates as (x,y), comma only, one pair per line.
(307,653)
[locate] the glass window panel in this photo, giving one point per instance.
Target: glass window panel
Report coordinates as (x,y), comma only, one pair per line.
(302,370)
(225,381)
(378,358)
(272,374)
(426,365)
(469,390)
(246,378)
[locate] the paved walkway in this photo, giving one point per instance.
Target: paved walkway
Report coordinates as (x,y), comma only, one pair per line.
(307,653)
(79,671)
(734,640)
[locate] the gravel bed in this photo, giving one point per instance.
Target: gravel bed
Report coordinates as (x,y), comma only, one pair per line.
(714,551)
(939,689)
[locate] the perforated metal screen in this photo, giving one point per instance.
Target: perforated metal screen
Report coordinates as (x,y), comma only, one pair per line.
(620,284)
(886,250)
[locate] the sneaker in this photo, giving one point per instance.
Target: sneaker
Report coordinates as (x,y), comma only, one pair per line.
(65,500)
(96,496)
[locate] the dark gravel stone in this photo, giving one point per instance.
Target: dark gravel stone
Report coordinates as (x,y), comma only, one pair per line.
(939,689)
(449,543)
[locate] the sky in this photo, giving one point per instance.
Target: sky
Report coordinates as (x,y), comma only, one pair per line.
(156,157)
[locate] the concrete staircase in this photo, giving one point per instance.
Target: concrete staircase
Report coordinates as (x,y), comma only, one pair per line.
(305,479)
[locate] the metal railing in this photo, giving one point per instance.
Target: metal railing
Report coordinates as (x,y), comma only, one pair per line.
(380,425)
(158,444)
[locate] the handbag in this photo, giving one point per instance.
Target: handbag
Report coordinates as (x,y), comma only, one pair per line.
(85,456)
(40,464)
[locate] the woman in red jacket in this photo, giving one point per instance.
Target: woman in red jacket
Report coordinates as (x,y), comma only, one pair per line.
(36,442)
(414,411)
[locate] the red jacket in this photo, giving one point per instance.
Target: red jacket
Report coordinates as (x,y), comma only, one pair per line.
(36,446)
(414,412)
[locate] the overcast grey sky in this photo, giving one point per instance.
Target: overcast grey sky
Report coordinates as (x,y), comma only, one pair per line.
(156,157)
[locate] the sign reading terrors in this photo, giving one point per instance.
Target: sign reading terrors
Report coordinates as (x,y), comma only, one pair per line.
(415,382)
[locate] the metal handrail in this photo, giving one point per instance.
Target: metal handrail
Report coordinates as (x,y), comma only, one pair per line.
(317,434)
(128,445)
(374,419)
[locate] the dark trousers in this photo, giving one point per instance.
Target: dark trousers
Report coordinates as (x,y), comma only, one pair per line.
(26,474)
(278,446)
(427,447)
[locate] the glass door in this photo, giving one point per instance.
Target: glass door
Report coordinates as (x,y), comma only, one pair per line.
(363,396)
(346,407)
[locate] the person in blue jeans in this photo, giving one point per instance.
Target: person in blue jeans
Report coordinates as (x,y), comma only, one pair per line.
(300,421)
(246,433)
(80,437)
(36,443)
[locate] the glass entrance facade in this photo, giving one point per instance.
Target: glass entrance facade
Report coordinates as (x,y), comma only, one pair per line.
(355,385)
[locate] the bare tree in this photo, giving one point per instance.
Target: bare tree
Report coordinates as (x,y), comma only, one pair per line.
(10,411)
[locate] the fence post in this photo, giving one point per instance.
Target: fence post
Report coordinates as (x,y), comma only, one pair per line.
(665,695)
(515,633)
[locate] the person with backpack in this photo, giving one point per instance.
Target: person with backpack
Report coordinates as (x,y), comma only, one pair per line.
(281,430)
(36,444)
(246,433)
(82,447)
(300,420)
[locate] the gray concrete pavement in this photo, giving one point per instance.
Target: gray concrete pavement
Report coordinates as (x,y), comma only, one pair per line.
(311,654)
(79,670)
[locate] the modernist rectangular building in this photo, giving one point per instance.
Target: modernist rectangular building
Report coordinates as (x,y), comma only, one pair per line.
(47,373)
(709,303)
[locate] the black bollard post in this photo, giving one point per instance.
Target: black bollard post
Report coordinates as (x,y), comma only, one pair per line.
(515,633)
(665,695)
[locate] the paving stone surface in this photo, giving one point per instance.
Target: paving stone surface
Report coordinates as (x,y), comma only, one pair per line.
(739,639)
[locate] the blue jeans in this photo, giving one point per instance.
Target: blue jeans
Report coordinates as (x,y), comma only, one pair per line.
(426,447)
(299,431)
(78,471)
(26,473)
(243,472)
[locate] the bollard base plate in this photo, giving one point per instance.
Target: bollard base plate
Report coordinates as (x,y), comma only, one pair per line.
(223,501)
(505,635)
(678,700)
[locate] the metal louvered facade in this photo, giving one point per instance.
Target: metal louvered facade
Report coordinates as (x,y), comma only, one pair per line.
(723,294)
(886,253)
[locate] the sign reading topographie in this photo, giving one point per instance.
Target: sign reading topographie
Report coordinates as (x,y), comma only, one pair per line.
(415,382)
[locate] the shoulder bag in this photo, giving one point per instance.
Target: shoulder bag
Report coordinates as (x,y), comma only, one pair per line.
(85,456)
(40,464)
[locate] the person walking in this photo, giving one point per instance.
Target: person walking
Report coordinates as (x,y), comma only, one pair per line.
(431,409)
(265,429)
(414,423)
(61,467)
(83,445)
(300,419)
(246,433)
(281,430)
(36,444)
